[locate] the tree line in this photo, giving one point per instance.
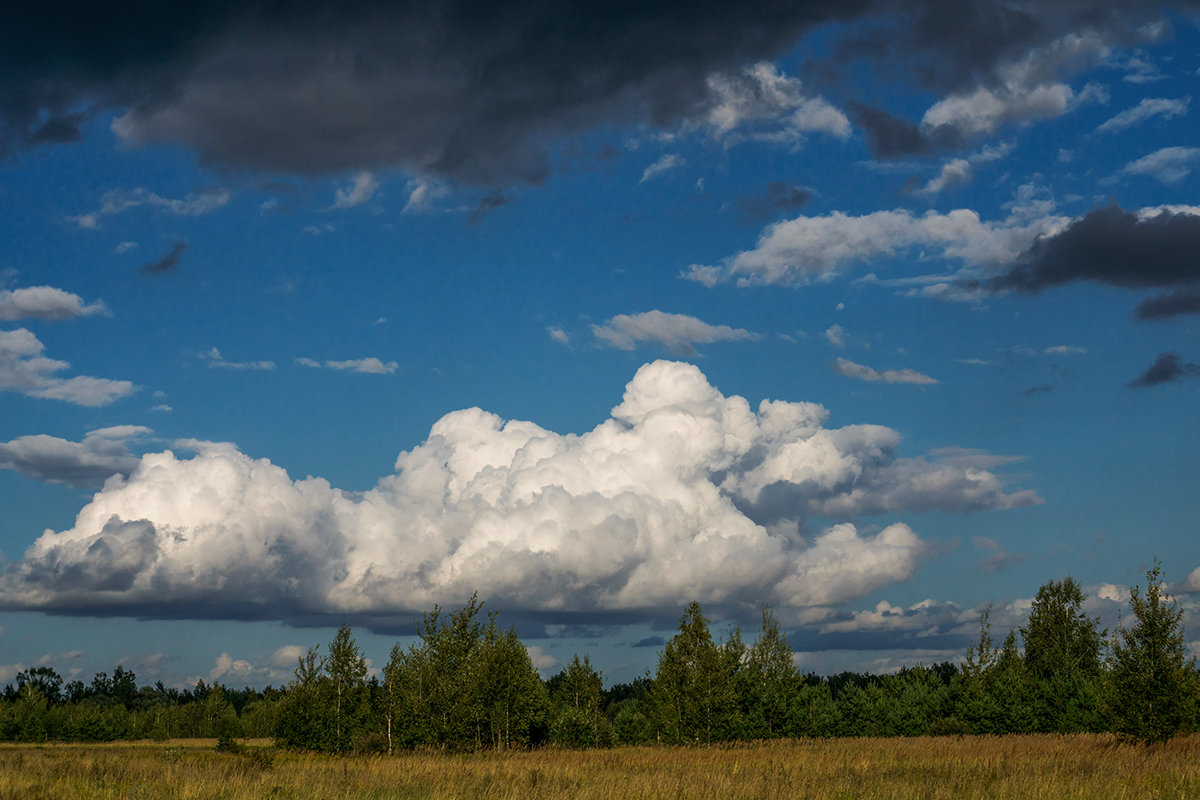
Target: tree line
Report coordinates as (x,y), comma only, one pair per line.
(468,684)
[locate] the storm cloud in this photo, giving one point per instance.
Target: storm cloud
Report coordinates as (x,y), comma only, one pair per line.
(479,94)
(1151,248)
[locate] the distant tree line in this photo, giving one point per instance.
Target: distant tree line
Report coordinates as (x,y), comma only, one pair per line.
(467,684)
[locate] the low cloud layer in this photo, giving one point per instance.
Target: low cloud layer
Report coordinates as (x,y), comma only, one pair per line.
(682,494)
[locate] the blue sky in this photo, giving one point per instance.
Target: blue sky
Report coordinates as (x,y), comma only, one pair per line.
(877,314)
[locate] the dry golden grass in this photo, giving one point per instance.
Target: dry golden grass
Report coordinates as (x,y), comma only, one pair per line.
(1018,767)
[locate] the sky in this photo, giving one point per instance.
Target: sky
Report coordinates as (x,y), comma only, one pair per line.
(879,314)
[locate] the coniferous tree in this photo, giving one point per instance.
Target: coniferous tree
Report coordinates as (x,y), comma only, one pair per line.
(1153,685)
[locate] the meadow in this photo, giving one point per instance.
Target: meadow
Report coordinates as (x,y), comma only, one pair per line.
(1019,767)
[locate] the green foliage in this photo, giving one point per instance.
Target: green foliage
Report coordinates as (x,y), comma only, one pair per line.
(693,698)
(464,686)
(304,718)
(346,690)
(1062,658)
(575,698)
(767,682)
(1153,686)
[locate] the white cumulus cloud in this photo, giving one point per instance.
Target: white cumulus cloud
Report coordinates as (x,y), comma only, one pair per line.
(683,493)
(46,303)
(808,250)
(24,369)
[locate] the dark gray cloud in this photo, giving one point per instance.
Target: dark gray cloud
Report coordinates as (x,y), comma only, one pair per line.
(951,45)
(1167,368)
(1169,304)
(473,92)
(87,464)
(890,136)
(780,196)
(168,262)
(468,91)
(487,205)
(1116,247)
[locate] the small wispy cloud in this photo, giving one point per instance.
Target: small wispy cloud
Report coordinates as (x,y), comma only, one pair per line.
(849,369)
(369,365)
(119,201)
(679,333)
(665,164)
(362,188)
(1148,108)
(215,359)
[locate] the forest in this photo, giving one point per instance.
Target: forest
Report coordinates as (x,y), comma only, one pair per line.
(467,684)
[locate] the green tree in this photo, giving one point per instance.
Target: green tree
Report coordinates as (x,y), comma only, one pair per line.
(349,697)
(1153,685)
(508,693)
(973,704)
(692,699)
(1062,656)
(393,677)
(47,681)
(767,681)
(303,719)
(576,696)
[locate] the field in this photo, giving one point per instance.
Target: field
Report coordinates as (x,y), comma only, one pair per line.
(1018,767)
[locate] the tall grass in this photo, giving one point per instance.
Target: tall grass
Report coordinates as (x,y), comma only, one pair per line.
(1018,767)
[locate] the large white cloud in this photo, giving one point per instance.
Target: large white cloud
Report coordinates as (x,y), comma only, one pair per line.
(682,494)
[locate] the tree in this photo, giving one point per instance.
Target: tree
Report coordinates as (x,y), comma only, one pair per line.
(47,681)
(1062,656)
(1153,685)
(347,671)
(508,692)
(576,694)
(393,675)
(692,698)
(768,681)
(303,719)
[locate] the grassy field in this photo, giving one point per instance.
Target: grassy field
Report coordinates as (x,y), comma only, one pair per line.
(1018,767)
